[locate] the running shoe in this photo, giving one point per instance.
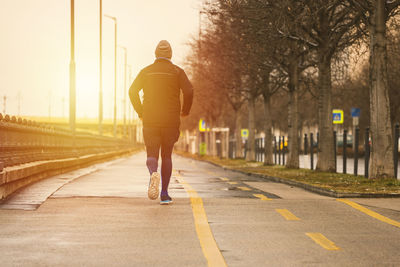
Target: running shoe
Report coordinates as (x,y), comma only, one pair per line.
(154,186)
(166,200)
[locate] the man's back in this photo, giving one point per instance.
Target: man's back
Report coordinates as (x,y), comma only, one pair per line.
(161,83)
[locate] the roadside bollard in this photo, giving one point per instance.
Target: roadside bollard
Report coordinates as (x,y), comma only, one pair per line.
(279,151)
(334,149)
(283,150)
(305,144)
(311,151)
(366,150)
(396,149)
(344,151)
(356,137)
(275,149)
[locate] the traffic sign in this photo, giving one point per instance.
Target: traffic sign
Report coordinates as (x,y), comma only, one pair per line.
(244,133)
(202,149)
(355,112)
(337,116)
(202,125)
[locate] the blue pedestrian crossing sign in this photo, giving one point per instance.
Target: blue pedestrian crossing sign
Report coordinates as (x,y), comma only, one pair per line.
(337,116)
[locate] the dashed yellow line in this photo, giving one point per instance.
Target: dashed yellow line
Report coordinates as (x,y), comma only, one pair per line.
(207,242)
(321,240)
(244,188)
(287,215)
(232,183)
(370,212)
(262,197)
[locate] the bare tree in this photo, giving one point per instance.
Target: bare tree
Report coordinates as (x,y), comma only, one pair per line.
(325,26)
(375,14)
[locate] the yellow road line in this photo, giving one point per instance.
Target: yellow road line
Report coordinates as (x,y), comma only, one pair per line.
(287,215)
(232,183)
(262,197)
(207,242)
(370,212)
(321,240)
(224,179)
(244,188)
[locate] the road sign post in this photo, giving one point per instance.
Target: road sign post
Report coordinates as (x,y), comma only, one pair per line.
(202,141)
(355,114)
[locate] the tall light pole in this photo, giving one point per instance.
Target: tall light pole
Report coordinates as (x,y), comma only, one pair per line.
(101,71)
(19,103)
(72,79)
(115,73)
(4,104)
(125,65)
(130,115)
(129,105)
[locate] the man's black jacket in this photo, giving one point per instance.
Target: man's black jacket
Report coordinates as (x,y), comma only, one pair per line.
(161,82)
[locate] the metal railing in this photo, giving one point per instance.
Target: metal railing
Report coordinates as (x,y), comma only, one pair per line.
(23,141)
(342,144)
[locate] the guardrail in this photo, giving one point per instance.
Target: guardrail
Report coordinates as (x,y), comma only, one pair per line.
(30,151)
(23,141)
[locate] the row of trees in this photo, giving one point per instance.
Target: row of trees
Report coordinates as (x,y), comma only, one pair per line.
(293,51)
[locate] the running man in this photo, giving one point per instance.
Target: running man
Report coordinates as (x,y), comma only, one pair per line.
(160,112)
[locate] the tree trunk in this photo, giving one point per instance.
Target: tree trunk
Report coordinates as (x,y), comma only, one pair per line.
(251,144)
(381,162)
(326,159)
(238,135)
(293,123)
(268,157)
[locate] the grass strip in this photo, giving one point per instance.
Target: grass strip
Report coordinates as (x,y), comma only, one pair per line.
(335,182)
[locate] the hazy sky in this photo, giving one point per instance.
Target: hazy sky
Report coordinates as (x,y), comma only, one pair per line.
(35,49)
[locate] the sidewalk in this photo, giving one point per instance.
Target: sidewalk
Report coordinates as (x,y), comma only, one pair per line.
(102,219)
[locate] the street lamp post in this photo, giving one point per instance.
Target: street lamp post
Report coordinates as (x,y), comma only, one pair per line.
(125,66)
(72,79)
(101,71)
(115,73)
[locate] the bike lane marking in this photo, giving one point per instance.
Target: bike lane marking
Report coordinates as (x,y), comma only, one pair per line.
(262,197)
(287,215)
(206,238)
(321,240)
(244,188)
(370,212)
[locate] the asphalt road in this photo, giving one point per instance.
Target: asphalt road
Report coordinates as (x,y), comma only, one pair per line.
(100,216)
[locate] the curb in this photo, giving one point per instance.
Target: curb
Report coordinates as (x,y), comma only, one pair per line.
(17,177)
(307,187)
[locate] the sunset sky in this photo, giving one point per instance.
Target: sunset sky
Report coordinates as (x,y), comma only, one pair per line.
(35,49)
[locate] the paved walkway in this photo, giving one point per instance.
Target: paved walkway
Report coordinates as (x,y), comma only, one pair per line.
(100,216)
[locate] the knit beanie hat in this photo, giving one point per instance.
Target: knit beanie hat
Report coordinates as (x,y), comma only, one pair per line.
(163,49)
